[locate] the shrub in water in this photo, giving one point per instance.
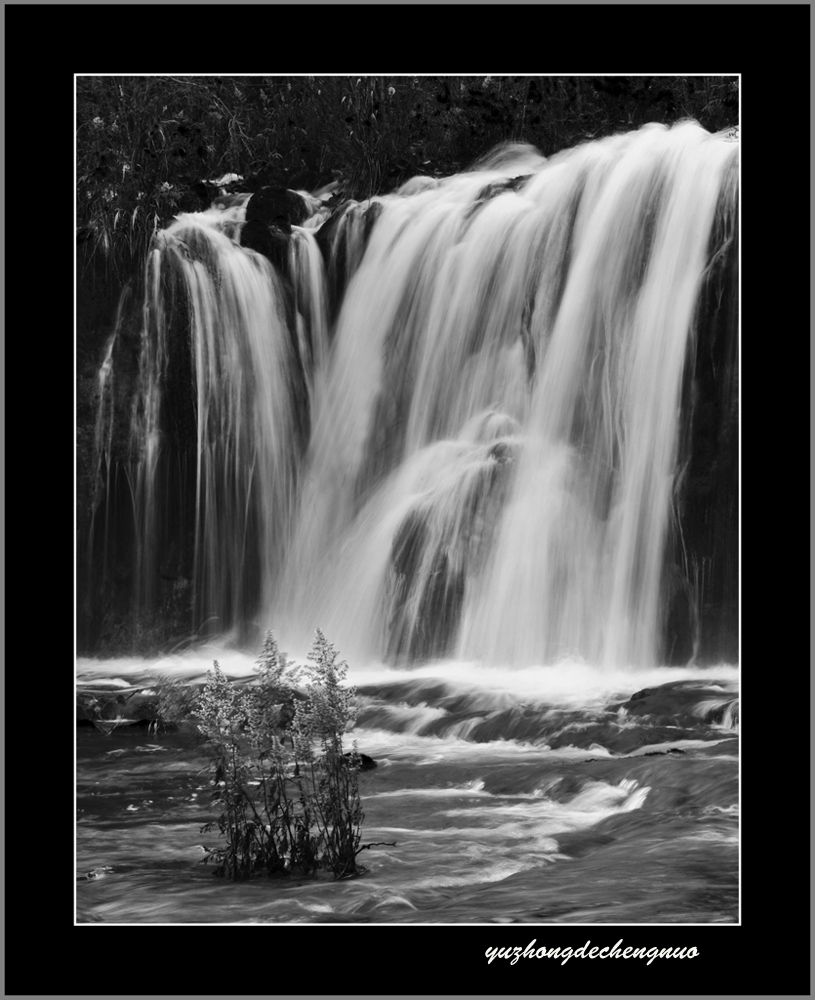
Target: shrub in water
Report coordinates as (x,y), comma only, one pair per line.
(288,793)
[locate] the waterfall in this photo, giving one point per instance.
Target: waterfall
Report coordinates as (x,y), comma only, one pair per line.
(458,420)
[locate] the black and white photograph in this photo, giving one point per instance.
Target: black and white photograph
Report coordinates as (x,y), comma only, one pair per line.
(407,515)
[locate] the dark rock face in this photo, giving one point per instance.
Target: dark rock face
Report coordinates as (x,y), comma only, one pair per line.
(333,248)
(499,187)
(701,589)
(103,705)
(270,214)
(277,206)
(440,595)
(370,215)
(680,703)
(196,198)
(271,241)
(434,555)
(341,252)
(649,723)
(366,763)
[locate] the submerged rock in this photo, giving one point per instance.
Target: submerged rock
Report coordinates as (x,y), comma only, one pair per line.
(495,188)
(367,763)
(689,703)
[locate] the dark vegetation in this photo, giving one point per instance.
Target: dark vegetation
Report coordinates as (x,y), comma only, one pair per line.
(146,146)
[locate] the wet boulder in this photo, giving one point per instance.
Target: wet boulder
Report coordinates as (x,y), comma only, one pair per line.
(142,705)
(278,207)
(691,703)
(370,216)
(194,197)
(270,214)
(271,241)
(366,763)
(495,188)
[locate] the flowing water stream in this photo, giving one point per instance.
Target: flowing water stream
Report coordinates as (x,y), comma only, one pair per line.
(483,433)
(534,797)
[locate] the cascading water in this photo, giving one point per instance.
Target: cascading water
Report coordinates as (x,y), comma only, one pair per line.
(486,460)
(554,314)
(244,411)
(487,421)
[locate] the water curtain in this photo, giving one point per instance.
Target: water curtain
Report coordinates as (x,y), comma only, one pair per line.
(490,417)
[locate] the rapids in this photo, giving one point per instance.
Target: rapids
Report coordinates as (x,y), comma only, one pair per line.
(530,797)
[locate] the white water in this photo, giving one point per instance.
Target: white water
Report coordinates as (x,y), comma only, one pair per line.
(492,426)
(240,356)
(503,829)
(472,465)
(567,685)
(430,371)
